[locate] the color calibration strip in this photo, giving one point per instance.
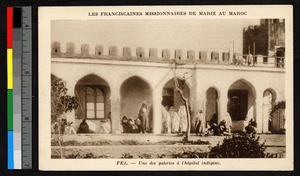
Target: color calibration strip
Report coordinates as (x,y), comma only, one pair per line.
(19,125)
(10,135)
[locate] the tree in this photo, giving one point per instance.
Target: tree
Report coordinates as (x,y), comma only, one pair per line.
(179,86)
(61,103)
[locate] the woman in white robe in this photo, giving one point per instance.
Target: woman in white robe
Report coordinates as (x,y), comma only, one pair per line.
(183,119)
(174,120)
(200,122)
(166,120)
(228,122)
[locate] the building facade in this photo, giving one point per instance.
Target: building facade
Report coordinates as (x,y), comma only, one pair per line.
(117,84)
(266,39)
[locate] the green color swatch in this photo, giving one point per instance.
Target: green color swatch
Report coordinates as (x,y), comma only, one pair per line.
(10,111)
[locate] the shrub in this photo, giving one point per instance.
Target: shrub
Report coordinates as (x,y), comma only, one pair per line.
(239,146)
(127,155)
(190,154)
(129,142)
(277,116)
(198,142)
(89,155)
(161,155)
(145,155)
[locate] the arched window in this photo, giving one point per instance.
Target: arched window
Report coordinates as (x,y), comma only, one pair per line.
(94,102)
(93,95)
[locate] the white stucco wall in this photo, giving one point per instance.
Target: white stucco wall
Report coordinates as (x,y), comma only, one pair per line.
(201,77)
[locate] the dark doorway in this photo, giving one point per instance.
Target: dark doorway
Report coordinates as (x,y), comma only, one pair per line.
(168,97)
(238,104)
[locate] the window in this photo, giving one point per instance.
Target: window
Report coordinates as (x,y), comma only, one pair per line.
(94,102)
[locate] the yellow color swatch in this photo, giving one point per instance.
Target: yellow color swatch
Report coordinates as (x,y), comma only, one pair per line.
(9,69)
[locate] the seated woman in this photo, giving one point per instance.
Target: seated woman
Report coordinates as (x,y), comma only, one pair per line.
(83,127)
(125,124)
(213,129)
(251,127)
(213,125)
(106,126)
(130,125)
(224,128)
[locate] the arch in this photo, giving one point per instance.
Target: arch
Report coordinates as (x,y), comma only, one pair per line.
(123,78)
(241,104)
(269,98)
(212,103)
(248,83)
(93,94)
(272,92)
(96,77)
(134,91)
(171,97)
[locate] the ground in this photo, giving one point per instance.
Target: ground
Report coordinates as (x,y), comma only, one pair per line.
(153,146)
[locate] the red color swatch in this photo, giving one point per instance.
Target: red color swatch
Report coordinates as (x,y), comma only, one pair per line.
(9,27)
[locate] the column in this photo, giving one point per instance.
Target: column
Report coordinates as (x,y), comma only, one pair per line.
(201,101)
(157,98)
(194,103)
(258,113)
(115,109)
(222,103)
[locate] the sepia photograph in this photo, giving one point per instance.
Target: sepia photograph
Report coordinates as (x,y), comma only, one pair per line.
(141,90)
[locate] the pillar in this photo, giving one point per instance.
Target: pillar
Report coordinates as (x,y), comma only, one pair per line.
(259,114)
(115,109)
(157,98)
(195,106)
(222,104)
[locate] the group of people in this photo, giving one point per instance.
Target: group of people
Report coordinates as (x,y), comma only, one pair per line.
(175,122)
(172,121)
(212,127)
(138,125)
(104,128)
